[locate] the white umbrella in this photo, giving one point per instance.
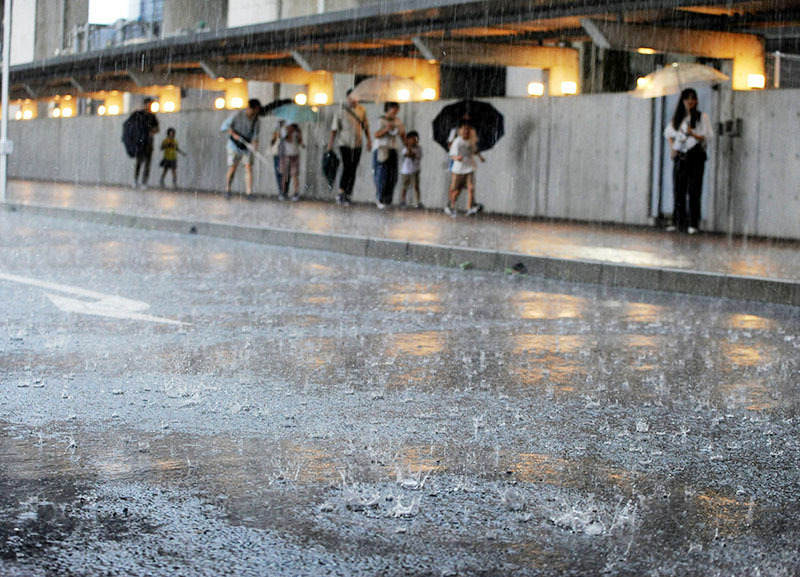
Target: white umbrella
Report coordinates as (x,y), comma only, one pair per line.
(674,78)
(388,89)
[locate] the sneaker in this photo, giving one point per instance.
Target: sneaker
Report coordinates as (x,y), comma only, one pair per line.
(402,204)
(450,211)
(282,197)
(692,230)
(474,209)
(380,205)
(671,228)
(340,199)
(419,206)
(295,198)
(143,186)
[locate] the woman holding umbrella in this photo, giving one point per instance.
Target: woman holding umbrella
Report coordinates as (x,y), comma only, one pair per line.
(688,134)
(391,134)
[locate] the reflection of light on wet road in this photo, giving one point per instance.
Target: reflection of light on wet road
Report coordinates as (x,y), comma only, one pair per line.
(752,395)
(536,305)
(643,313)
(539,468)
(730,516)
(312,221)
(415,297)
(420,344)
(543,344)
(415,231)
(644,342)
(166,253)
(748,268)
(543,247)
(320,269)
(550,368)
(742,355)
(113,199)
(740,321)
(418,302)
(167,202)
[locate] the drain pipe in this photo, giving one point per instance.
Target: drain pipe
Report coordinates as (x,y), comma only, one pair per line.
(6,146)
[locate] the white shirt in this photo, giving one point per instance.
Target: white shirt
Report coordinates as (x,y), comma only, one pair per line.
(682,142)
(290,143)
(411,165)
(465,150)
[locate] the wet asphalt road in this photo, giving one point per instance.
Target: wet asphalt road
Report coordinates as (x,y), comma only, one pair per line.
(284,412)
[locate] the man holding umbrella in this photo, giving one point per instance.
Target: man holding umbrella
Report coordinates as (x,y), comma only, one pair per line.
(349,124)
(243,132)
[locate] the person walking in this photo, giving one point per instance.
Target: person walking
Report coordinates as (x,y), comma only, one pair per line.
(349,123)
(462,152)
(169,160)
(291,142)
(143,125)
(688,134)
(410,169)
(390,135)
(243,130)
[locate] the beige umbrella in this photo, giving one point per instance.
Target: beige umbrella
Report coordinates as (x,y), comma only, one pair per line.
(388,89)
(675,77)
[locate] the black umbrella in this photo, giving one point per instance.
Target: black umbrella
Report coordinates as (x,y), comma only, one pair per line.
(482,116)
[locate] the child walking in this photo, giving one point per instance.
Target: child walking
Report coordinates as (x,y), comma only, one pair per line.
(462,153)
(170,159)
(409,171)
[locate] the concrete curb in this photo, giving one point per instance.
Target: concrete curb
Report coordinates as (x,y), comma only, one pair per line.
(582,271)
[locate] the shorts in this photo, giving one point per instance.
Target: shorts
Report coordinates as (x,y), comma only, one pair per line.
(290,165)
(459,181)
(167,164)
(411,180)
(236,156)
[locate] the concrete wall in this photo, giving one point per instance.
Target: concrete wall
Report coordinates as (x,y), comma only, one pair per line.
(763,164)
(586,158)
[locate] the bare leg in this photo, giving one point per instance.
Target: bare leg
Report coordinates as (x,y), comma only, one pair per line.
(229,177)
(470,193)
(174,178)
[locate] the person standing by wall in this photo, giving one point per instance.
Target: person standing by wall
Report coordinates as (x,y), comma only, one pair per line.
(142,124)
(462,152)
(688,134)
(243,130)
(169,161)
(291,142)
(349,124)
(410,169)
(391,134)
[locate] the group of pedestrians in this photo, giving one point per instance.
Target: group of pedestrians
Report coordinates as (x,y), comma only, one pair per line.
(399,154)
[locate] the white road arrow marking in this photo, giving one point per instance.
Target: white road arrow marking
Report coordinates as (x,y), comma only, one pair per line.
(101,304)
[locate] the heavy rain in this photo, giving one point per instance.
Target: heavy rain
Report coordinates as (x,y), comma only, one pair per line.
(356,288)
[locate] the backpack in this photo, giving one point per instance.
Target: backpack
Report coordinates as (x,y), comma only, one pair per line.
(130,134)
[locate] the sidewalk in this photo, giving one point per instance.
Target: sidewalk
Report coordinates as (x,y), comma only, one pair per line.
(637,257)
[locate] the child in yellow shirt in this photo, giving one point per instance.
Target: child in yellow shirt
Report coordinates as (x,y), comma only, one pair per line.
(170,159)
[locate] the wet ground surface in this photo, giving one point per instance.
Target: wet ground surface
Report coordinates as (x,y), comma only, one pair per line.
(288,412)
(637,246)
